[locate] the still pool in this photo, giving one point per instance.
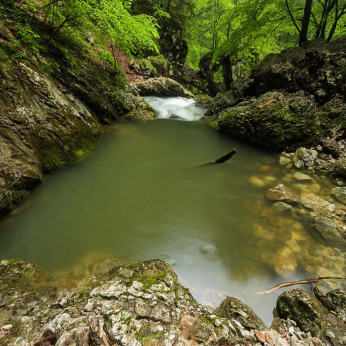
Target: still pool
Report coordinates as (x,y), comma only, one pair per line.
(141,195)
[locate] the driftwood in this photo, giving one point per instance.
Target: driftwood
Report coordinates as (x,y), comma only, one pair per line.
(301,282)
(324,300)
(221,159)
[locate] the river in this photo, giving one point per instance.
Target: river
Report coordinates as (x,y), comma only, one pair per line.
(141,194)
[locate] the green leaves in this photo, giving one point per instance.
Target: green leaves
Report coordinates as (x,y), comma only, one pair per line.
(133,34)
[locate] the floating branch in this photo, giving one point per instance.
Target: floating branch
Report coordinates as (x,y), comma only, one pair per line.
(221,159)
(301,282)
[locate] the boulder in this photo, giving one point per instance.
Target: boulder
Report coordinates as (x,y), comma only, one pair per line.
(162,87)
(282,194)
(292,99)
(330,146)
(328,229)
(281,207)
(340,167)
(274,121)
(304,158)
(311,316)
(302,177)
(340,194)
(311,201)
(236,309)
(338,297)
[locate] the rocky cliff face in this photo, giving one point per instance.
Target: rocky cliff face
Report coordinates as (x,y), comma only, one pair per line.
(291,99)
(49,120)
(143,304)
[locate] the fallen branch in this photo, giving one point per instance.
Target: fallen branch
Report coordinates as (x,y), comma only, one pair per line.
(324,300)
(301,282)
(221,159)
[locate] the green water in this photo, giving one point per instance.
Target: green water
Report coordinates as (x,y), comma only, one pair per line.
(140,196)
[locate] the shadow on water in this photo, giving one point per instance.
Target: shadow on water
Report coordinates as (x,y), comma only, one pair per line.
(136,198)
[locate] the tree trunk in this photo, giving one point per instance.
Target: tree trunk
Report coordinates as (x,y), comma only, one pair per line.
(303,37)
(227,71)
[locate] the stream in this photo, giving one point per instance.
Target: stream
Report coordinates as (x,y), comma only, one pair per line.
(141,195)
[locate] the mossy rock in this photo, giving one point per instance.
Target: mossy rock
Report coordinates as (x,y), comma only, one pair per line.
(274,121)
(311,316)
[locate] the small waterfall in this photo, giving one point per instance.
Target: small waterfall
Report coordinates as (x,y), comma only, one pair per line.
(176,107)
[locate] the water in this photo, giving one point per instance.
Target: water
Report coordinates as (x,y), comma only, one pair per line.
(141,195)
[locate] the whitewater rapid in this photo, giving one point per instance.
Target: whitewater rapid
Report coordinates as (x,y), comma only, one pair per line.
(176,107)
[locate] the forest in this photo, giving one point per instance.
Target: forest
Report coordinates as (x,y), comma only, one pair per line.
(234,34)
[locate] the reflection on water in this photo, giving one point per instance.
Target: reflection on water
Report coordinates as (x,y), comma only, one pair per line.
(139,196)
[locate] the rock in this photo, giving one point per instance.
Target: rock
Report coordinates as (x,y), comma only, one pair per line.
(283,261)
(328,229)
(330,146)
(282,194)
(302,177)
(338,297)
(269,122)
(311,316)
(340,167)
(315,187)
(281,207)
(304,158)
(323,166)
(340,194)
(209,249)
(138,108)
(162,87)
(292,99)
(311,201)
(257,182)
(284,160)
(235,308)
(140,303)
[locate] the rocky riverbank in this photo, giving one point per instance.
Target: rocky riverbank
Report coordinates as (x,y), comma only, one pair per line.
(292,99)
(143,304)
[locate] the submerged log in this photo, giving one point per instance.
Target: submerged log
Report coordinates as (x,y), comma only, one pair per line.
(301,282)
(221,159)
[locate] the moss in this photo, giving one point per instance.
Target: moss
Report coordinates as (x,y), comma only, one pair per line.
(158,59)
(149,280)
(145,334)
(146,64)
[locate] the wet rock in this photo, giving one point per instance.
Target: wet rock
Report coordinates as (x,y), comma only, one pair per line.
(304,158)
(209,249)
(315,187)
(235,308)
(138,108)
(311,201)
(328,229)
(257,182)
(162,87)
(302,177)
(338,297)
(340,194)
(285,159)
(274,121)
(311,316)
(340,167)
(284,261)
(282,194)
(330,146)
(323,166)
(281,207)
(136,304)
